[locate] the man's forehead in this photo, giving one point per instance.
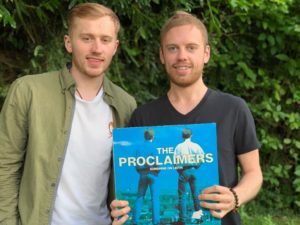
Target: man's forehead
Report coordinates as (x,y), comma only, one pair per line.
(187,32)
(105,25)
(103,20)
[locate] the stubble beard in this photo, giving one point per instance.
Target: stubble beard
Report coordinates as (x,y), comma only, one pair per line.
(186,82)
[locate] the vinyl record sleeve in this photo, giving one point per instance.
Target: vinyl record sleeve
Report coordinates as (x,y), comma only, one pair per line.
(161,170)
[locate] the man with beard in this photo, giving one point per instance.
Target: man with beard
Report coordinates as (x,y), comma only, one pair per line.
(184,50)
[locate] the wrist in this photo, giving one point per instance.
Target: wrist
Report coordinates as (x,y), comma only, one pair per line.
(236,199)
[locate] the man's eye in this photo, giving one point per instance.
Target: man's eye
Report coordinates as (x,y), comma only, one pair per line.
(86,38)
(106,40)
(191,48)
(172,48)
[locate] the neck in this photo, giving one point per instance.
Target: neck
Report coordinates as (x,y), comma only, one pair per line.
(87,88)
(87,95)
(185,99)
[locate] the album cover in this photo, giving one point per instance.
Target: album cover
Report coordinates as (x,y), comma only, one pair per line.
(161,170)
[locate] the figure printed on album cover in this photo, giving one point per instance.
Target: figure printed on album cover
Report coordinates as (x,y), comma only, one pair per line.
(148,178)
(187,176)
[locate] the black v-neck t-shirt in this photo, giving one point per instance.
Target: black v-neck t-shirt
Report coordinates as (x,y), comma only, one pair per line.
(235,130)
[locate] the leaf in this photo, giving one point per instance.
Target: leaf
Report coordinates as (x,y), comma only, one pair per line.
(282,57)
(247,71)
(6,17)
(38,50)
(271,40)
(297,171)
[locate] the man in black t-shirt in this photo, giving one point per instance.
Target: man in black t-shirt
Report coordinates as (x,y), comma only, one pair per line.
(184,50)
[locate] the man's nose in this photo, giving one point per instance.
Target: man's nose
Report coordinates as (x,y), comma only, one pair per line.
(97,46)
(182,54)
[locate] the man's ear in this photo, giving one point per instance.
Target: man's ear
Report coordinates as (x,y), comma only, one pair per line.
(161,56)
(206,54)
(68,44)
(116,46)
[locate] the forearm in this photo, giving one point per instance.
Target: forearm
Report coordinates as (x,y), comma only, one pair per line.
(251,180)
(249,186)
(9,189)
(10,175)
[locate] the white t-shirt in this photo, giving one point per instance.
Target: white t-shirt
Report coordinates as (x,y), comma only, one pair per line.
(82,190)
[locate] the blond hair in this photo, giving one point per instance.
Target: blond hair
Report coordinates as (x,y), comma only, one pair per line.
(91,10)
(181,18)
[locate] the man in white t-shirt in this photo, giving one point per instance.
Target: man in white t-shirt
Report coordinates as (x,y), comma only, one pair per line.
(55,131)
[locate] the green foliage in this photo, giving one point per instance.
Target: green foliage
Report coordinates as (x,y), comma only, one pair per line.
(255,55)
(268,217)
(6,17)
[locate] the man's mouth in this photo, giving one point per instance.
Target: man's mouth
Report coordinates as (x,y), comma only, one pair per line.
(94,60)
(182,67)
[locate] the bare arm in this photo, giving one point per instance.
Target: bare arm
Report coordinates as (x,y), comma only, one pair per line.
(246,189)
(251,179)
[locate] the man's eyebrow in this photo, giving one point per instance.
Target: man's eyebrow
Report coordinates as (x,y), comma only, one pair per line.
(86,34)
(107,36)
(171,44)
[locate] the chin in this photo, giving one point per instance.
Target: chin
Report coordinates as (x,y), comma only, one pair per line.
(183,82)
(94,72)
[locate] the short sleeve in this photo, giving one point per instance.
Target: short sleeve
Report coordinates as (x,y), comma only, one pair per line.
(245,133)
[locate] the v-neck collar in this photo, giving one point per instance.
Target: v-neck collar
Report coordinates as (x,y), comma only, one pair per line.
(203,100)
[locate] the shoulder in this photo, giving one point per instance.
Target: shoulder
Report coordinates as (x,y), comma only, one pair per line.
(152,106)
(226,100)
(24,89)
(227,97)
(197,146)
(36,81)
(120,100)
(117,93)
(149,113)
